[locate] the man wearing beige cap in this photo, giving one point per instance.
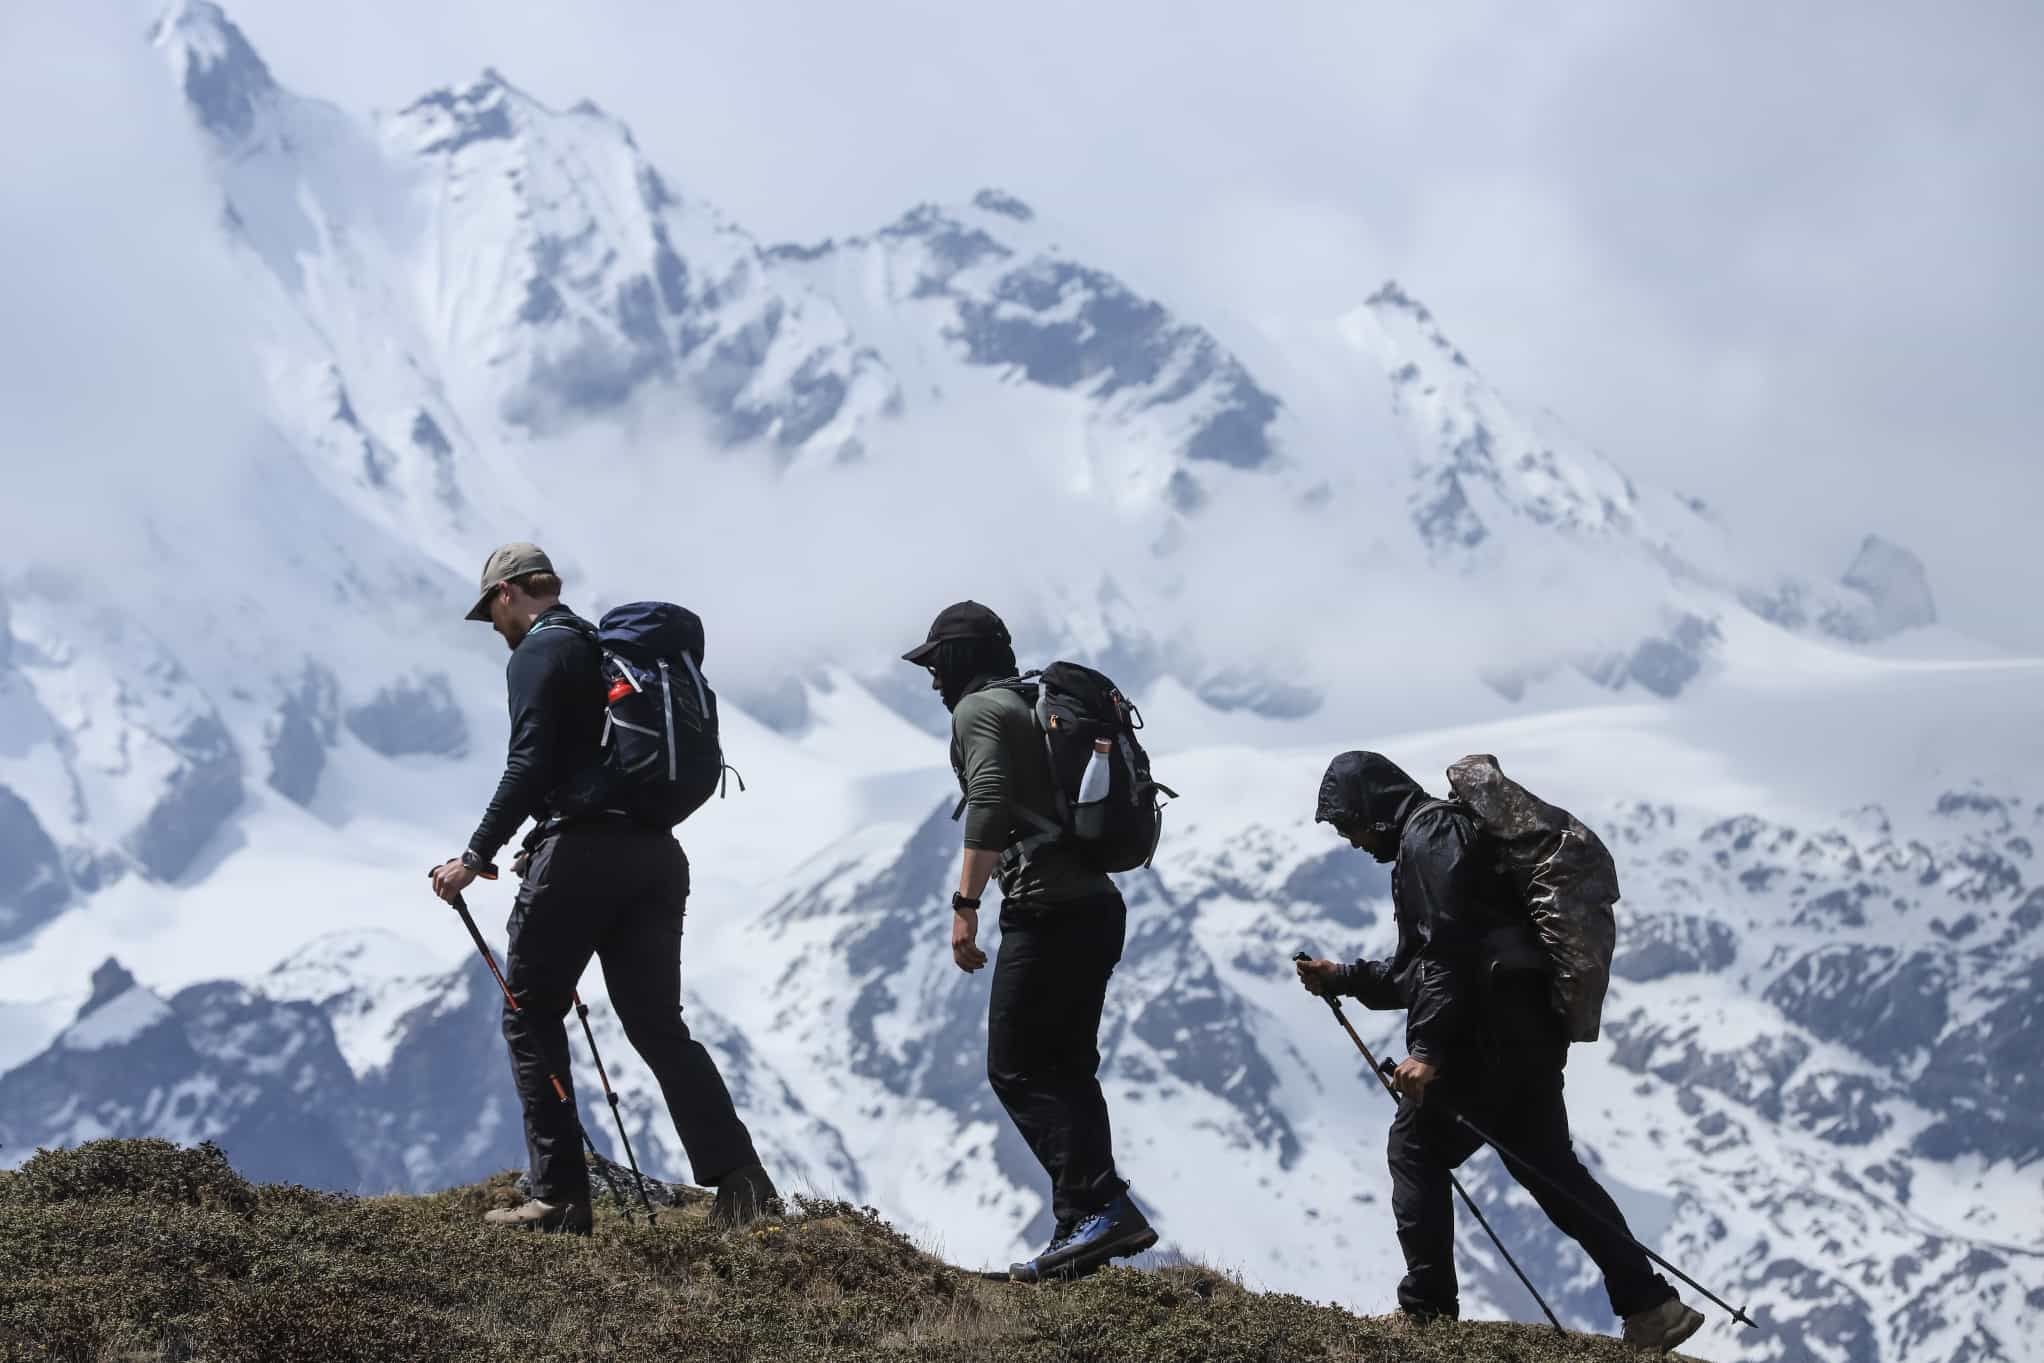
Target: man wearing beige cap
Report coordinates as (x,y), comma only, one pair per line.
(598,884)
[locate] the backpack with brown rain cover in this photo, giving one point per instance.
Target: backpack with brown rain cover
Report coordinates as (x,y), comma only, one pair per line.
(1564,876)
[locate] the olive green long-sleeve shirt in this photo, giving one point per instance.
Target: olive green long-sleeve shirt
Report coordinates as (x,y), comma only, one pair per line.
(1001,762)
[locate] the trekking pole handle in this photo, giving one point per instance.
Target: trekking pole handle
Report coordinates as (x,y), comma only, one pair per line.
(1330,1000)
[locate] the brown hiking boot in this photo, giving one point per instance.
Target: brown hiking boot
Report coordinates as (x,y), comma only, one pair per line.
(570,1218)
(742,1197)
(1663,1327)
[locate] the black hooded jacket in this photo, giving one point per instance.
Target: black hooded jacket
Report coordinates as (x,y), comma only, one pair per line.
(1447,896)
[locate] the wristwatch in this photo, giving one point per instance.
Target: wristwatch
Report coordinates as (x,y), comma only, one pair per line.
(471,861)
(960,904)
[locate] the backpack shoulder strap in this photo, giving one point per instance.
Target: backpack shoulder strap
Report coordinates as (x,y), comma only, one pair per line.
(573,623)
(1435,806)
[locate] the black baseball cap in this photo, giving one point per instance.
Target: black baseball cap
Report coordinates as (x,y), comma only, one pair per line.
(966,620)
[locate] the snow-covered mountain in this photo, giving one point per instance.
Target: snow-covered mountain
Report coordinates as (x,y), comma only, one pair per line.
(480,317)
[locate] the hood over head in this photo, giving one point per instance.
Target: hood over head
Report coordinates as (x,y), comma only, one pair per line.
(1362,789)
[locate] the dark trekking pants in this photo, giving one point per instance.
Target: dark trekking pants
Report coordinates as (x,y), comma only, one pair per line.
(1043,1042)
(1516,1097)
(616,893)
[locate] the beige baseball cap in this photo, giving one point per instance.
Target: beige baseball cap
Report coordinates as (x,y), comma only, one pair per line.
(505,562)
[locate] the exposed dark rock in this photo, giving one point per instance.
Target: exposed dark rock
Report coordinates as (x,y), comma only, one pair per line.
(1844,907)
(1896,588)
(33,882)
(1341,884)
(952,246)
(1199,1031)
(1842,1108)
(224,80)
(1886,1006)
(670,272)
(1752,1076)
(1653,946)
(415,715)
(476,114)
(816,396)
(1443,516)
(1111,342)
(542,302)
(1983,1082)
(300,732)
(1258,693)
(1828,1319)
(1666,664)
(427,435)
(109,981)
(197,799)
(1007,205)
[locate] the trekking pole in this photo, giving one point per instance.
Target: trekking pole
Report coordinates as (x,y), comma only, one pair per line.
(610,1095)
(1473,1129)
(1467,1201)
(475,934)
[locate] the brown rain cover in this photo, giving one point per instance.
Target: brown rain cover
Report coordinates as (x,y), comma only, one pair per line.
(1566,878)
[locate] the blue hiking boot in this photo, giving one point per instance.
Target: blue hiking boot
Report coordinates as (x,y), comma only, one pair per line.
(1117,1231)
(1026,1272)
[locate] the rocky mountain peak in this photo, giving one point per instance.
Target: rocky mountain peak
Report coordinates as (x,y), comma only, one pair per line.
(1485,468)
(223,77)
(1897,585)
(109,982)
(1007,205)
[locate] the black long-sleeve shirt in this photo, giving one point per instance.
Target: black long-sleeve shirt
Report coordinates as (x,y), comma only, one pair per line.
(555,681)
(1447,896)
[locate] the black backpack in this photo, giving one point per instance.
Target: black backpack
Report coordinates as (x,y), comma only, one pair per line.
(1565,877)
(661,755)
(1075,706)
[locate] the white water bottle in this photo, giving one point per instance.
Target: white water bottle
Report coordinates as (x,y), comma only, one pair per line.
(1089,816)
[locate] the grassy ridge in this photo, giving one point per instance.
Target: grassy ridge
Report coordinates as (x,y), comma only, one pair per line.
(145,1252)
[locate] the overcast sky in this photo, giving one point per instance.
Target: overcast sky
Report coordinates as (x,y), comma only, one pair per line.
(1783,256)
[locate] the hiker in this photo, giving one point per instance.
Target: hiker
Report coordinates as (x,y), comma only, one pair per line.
(1482,1039)
(594,883)
(1062,925)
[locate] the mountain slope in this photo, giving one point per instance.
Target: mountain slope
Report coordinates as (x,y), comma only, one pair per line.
(480,317)
(279,1272)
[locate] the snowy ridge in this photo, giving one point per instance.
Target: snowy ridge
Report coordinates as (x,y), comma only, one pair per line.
(1496,485)
(1816,1084)
(986,283)
(1814,1037)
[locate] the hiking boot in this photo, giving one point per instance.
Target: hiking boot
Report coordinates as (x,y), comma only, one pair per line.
(1663,1327)
(570,1218)
(1027,1272)
(742,1197)
(1116,1231)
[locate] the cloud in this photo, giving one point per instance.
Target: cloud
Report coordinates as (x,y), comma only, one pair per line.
(1782,257)
(128,381)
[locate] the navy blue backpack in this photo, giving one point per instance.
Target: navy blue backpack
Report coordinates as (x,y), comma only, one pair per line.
(661,755)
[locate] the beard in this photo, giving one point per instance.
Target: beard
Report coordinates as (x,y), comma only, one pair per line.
(1382,848)
(951,685)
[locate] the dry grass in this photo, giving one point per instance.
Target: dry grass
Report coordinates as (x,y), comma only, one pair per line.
(146,1253)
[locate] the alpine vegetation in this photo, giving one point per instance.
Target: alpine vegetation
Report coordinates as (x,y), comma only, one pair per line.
(1718,1010)
(276,1271)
